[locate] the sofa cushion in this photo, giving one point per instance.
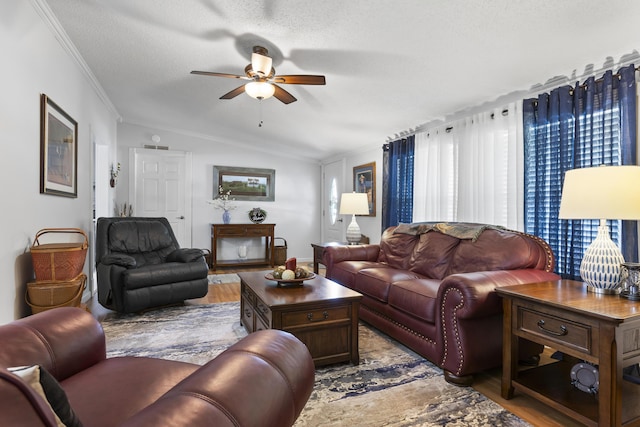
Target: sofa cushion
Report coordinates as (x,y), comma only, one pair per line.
(416,297)
(112,391)
(432,254)
(44,384)
(345,272)
(396,249)
(375,282)
(495,250)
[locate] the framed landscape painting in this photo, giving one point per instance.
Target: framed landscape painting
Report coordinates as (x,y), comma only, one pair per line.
(245,183)
(58,150)
(364,181)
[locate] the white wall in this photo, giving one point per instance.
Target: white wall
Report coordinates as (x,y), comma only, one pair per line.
(370,226)
(39,60)
(35,62)
(296,210)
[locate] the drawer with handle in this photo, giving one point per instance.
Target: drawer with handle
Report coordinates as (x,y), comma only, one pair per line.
(557,330)
(248,295)
(264,311)
(307,317)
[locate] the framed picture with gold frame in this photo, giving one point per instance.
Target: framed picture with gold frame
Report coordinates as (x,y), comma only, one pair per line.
(58,150)
(364,181)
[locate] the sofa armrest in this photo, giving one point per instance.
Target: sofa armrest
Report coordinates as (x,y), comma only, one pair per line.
(335,254)
(21,405)
(185,255)
(118,259)
(270,370)
(469,315)
(471,295)
(64,341)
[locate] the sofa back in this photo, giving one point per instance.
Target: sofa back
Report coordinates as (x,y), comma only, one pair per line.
(441,249)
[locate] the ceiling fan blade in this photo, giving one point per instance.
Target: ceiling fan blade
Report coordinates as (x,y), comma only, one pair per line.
(283,96)
(237,91)
(300,80)
(210,73)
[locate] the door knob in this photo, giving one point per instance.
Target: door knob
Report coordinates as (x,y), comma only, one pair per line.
(181,217)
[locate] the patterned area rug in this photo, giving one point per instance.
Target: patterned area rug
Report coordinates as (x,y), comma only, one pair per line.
(392,386)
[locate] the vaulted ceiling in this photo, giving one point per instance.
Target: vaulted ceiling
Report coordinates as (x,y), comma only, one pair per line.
(389,65)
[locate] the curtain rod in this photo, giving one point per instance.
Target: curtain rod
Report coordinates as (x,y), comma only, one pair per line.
(556,82)
(532,92)
(616,75)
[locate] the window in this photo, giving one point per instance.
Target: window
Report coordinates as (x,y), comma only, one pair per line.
(572,128)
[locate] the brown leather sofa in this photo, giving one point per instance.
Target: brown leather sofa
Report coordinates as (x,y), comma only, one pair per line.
(431,287)
(263,380)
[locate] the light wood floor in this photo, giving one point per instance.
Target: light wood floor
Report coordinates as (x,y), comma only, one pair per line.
(487,383)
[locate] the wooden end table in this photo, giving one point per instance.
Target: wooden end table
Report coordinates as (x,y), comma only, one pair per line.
(320,313)
(602,330)
(318,251)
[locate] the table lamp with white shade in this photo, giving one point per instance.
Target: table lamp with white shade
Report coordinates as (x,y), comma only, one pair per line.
(354,204)
(601,192)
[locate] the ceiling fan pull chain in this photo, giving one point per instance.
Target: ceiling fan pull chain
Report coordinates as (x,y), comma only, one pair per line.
(260,122)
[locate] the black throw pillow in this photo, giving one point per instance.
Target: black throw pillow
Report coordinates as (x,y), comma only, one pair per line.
(53,392)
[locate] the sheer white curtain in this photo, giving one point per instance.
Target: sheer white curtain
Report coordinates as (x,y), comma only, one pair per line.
(435,170)
(472,170)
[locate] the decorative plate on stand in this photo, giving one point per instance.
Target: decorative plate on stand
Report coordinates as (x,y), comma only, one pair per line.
(257,215)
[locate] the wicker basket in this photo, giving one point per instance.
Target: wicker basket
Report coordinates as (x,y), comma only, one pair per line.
(58,261)
(279,252)
(46,295)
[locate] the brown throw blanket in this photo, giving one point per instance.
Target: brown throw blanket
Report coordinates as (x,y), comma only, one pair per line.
(460,230)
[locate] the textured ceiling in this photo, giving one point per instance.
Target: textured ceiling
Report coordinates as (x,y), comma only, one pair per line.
(390,65)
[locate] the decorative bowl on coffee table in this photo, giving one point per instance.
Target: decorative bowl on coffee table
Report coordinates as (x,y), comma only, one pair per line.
(289,282)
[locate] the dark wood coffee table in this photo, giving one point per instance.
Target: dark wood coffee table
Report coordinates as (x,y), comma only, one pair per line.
(320,313)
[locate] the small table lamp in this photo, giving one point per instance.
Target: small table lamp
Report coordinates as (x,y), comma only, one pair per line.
(602,192)
(354,204)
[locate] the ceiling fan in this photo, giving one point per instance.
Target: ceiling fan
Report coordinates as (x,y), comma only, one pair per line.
(262,79)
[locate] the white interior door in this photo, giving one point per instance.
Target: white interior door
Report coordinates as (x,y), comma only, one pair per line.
(333,229)
(161,187)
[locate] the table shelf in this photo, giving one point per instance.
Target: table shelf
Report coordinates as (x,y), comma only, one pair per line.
(242,231)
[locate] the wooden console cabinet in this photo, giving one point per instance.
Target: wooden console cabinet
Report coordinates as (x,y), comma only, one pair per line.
(602,330)
(225,231)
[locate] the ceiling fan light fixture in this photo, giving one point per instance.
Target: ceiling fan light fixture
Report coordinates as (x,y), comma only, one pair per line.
(261,64)
(259,90)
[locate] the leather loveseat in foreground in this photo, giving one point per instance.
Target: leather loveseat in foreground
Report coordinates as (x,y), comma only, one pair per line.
(431,287)
(263,380)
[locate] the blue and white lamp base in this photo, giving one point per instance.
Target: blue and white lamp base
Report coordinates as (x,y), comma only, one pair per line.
(601,265)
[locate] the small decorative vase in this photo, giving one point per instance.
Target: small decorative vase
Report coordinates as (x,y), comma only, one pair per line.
(226,217)
(242,252)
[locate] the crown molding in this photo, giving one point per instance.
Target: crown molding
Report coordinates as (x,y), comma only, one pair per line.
(49,18)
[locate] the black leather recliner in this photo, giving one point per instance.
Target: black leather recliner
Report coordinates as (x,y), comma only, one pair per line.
(141,265)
